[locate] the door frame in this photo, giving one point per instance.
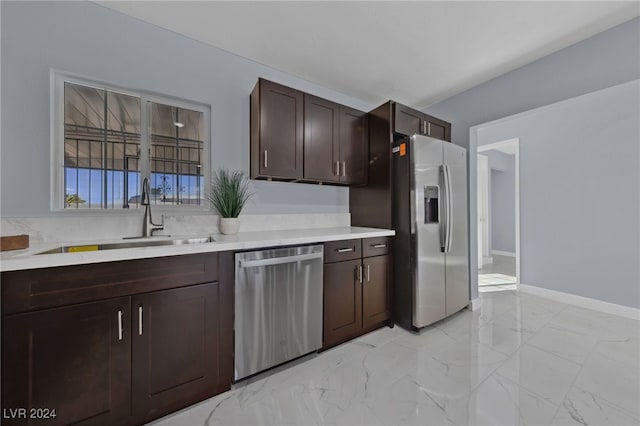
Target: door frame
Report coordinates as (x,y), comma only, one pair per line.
(502,144)
(484,253)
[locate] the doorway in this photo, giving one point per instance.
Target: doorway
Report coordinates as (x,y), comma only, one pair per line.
(498,219)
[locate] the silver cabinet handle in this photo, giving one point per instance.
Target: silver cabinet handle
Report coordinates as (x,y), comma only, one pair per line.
(360,273)
(266,159)
(428,128)
(120,331)
(344,168)
(336,172)
(424,127)
(378,246)
(368,272)
(345,250)
(140,320)
(280,260)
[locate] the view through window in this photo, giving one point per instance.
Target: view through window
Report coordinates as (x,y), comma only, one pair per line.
(104,138)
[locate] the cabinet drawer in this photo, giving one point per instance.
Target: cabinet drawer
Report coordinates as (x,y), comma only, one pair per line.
(377,246)
(50,287)
(336,251)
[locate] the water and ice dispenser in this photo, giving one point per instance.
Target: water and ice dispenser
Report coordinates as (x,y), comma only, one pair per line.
(431,194)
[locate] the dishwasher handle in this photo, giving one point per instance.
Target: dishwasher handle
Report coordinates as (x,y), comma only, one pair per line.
(280,260)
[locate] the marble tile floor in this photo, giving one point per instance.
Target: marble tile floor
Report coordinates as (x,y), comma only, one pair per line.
(519,360)
(495,287)
(501,265)
(499,273)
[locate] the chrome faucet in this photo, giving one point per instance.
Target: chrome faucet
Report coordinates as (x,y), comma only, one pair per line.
(148,227)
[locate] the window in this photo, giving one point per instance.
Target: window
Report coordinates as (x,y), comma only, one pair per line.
(109,140)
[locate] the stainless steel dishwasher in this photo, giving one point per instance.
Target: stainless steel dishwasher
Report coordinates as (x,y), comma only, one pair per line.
(278,306)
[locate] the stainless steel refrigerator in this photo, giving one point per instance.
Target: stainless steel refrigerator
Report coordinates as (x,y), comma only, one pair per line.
(431,261)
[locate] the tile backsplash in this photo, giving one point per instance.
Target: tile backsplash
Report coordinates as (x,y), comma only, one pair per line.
(85,228)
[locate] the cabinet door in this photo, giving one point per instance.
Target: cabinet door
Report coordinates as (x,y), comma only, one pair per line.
(280,135)
(321,139)
(437,128)
(342,301)
(175,361)
(76,360)
(376,290)
(407,121)
(354,146)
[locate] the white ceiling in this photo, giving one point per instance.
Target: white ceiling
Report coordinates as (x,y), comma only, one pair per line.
(414,52)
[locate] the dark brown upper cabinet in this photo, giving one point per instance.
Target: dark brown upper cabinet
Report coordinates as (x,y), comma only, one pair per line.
(354,146)
(300,137)
(321,139)
(276,131)
(408,121)
(335,142)
(370,205)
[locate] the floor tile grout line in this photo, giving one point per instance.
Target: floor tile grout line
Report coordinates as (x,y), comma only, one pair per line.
(581,366)
(495,371)
(613,403)
(540,313)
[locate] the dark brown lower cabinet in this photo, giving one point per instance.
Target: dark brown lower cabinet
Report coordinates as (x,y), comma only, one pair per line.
(124,360)
(175,362)
(376,290)
(342,301)
(72,360)
(357,289)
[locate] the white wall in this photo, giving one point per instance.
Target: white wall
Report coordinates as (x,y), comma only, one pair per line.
(604,60)
(502,209)
(580,193)
(104,45)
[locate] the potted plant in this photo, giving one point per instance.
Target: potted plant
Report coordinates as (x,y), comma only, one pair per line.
(229,193)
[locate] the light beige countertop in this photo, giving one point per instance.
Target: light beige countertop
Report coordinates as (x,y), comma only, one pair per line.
(30,259)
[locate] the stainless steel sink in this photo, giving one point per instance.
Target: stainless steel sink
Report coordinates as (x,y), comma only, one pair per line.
(128,244)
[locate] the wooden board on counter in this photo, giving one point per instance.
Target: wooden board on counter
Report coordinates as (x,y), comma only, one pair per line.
(14,242)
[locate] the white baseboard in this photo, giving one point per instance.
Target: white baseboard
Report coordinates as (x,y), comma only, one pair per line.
(503,253)
(474,304)
(581,301)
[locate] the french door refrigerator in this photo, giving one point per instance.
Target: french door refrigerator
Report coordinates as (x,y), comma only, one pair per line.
(431,263)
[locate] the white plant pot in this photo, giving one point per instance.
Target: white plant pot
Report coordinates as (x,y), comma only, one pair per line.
(229,225)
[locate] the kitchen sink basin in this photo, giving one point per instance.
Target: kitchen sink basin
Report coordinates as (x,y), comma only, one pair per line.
(129,244)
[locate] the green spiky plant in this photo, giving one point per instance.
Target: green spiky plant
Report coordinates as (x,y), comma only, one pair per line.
(229,192)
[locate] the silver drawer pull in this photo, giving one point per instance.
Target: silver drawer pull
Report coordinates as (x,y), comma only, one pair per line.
(140,320)
(379,246)
(368,273)
(345,250)
(120,331)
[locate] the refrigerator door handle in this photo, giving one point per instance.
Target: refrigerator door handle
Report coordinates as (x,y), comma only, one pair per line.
(449,226)
(442,209)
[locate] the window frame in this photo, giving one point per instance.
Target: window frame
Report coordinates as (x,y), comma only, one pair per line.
(57,114)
